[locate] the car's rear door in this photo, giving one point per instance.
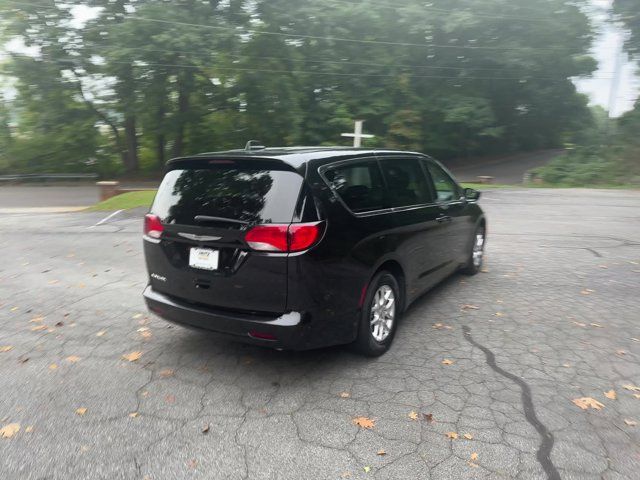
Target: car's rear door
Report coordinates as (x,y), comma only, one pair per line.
(209,205)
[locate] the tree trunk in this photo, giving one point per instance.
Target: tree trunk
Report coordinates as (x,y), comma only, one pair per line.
(160,149)
(185,84)
(131,163)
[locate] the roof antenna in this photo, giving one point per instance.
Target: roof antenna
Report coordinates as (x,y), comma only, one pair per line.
(253,145)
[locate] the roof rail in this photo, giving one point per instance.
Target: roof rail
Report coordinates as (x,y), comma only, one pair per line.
(254,145)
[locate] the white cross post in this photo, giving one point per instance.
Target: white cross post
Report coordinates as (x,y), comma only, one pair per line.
(357,134)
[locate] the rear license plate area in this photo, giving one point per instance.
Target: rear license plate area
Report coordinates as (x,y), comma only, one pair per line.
(204,258)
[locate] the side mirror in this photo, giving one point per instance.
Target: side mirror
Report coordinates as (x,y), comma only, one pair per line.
(471,194)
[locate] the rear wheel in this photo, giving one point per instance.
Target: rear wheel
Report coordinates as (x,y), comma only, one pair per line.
(476,255)
(380,313)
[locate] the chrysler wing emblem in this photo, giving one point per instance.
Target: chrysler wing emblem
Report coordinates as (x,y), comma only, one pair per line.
(199,238)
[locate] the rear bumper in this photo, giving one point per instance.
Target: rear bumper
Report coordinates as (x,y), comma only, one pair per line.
(289,331)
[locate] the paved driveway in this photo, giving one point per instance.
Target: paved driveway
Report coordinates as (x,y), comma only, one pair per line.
(555,317)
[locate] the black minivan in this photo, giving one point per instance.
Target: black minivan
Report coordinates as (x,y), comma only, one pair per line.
(298,248)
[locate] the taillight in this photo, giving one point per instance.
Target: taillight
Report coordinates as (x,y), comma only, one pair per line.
(283,238)
(303,235)
(152,226)
(268,238)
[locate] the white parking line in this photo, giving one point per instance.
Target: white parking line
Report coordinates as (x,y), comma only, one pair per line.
(107,218)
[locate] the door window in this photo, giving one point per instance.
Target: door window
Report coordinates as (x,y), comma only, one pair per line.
(406,182)
(446,189)
(359,185)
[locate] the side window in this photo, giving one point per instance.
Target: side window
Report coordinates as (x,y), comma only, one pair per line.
(406,182)
(445,187)
(359,185)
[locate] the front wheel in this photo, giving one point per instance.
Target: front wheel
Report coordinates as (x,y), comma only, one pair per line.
(476,254)
(380,313)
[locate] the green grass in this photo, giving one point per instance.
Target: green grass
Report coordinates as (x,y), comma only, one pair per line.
(125,201)
(486,186)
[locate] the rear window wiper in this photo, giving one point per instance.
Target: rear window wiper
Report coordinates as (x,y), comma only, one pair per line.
(208,218)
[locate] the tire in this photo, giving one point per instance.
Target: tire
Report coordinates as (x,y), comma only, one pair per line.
(373,341)
(475,260)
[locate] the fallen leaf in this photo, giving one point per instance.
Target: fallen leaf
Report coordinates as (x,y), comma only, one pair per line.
(637,395)
(13,309)
(428,417)
(631,423)
(468,436)
(587,291)
(6,348)
(81,411)
(38,319)
(170,398)
(364,422)
(345,395)
(566,365)
(587,402)
(145,394)
(635,339)
(29,429)
(621,352)
(146,334)
(137,315)
(167,372)
(580,324)
(192,464)
(597,325)
(345,475)
(633,388)
(469,307)
(499,314)
(611,394)
(474,465)
(101,333)
(53,282)
(413,415)
(446,361)
(133,414)
(366,469)
(59,324)
(205,429)
(603,266)
(10,430)
(474,456)
(452,435)
(381,452)
(53,366)
(72,359)
(38,328)
(133,356)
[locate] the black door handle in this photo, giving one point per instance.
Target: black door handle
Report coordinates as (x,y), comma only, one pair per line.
(443,218)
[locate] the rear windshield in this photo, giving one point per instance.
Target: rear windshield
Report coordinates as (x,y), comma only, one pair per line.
(249,195)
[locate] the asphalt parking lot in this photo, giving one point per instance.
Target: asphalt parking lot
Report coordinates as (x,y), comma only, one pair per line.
(480,382)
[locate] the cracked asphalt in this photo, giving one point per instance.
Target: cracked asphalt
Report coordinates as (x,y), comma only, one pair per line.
(555,317)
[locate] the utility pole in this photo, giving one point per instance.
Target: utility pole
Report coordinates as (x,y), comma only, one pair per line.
(615,80)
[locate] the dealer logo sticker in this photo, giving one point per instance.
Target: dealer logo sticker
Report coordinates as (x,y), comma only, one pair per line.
(159,277)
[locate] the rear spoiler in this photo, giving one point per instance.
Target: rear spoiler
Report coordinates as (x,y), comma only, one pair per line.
(249,162)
